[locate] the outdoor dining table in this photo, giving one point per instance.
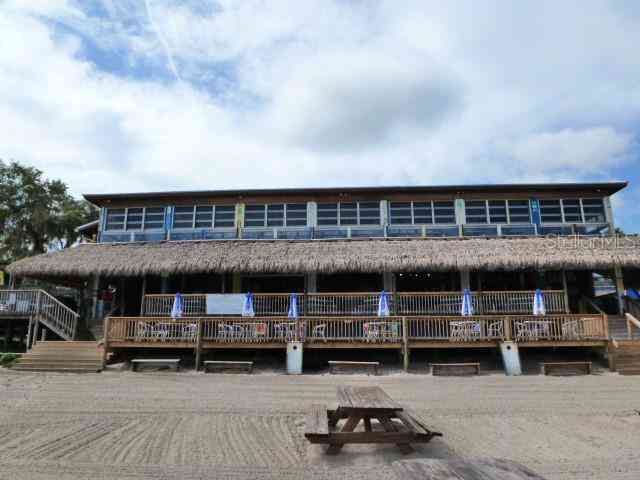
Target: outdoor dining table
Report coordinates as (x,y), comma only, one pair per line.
(365,404)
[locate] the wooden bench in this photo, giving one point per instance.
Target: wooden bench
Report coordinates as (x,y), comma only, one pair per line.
(227,366)
(340,366)
(455,369)
(172,363)
(356,404)
(565,368)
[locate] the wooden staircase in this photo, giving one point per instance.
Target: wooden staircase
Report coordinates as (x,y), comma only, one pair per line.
(625,356)
(61,356)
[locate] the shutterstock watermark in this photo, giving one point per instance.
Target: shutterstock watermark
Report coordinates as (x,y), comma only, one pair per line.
(586,242)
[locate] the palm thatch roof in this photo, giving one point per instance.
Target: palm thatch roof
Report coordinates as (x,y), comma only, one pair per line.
(398,255)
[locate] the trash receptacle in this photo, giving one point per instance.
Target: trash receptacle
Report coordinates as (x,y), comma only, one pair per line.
(294,358)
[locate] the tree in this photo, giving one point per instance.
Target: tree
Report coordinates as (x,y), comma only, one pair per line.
(36,214)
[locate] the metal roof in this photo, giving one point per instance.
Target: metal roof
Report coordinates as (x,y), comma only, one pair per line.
(608,188)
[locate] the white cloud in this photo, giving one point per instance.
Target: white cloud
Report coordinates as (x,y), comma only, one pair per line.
(588,151)
(317,93)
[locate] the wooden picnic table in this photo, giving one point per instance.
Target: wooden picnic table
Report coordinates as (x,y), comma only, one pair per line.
(366,404)
(462,469)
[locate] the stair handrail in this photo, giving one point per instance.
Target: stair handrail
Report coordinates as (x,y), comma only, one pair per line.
(631,322)
(605,318)
(66,326)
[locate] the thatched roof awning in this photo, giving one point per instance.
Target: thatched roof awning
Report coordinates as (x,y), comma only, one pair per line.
(135,259)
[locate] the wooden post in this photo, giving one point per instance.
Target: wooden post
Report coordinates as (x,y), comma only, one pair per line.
(565,291)
(405,344)
(144,292)
(198,344)
(507,328)
(122,299)
(28,339)
(105,340)
(9,334)
(34,340)
(619,288)
(44,333)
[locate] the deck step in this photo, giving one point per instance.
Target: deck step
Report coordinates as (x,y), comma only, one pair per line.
(62,356)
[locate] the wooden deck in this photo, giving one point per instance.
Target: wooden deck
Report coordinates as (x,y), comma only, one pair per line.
(409,332)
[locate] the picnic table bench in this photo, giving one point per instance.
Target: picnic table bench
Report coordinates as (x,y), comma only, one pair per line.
(172,363)
(442,369)
(463,469)
(365,404)
(565,368)
(338,365)
(221,366)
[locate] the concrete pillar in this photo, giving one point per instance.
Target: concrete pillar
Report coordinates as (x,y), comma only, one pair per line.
(619,288)
(312,214)
(389,281)
(239,215)
(461,217)
(465,279)
(384,212)
(608,213)
(311,282)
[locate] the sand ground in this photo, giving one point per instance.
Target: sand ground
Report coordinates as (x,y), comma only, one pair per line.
(162,425)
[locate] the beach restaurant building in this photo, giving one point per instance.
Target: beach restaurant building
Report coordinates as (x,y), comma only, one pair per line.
(381,267)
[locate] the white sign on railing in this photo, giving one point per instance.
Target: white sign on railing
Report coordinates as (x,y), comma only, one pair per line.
(225,303)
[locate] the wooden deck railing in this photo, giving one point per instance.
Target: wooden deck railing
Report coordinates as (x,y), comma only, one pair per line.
(366,304)
(357,330)
(48,309)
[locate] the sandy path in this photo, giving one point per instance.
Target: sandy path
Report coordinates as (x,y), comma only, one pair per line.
(188,426)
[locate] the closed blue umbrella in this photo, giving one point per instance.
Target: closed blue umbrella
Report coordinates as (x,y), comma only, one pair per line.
(293,306)
(383,305)
(247,306)
(467,303)
(177,309)
(538,303)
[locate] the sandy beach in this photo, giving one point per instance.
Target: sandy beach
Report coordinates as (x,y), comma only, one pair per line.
(123,425)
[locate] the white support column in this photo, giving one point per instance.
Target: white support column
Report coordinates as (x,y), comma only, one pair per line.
(384,212)
(389,281)
(619,288)
(311,282)
(461,217)
(465,279)
(608,213)
(312,214)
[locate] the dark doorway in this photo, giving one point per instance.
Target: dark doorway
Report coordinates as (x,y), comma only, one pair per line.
(273,284)
(350,282)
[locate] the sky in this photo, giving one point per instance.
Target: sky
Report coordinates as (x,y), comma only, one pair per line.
(148,95)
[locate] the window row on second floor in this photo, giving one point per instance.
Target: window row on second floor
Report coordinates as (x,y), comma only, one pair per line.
(363,213)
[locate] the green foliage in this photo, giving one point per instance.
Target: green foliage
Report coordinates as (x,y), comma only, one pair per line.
(8,359)
(36,214)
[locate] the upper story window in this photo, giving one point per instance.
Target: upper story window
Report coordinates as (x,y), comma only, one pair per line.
(476,211)
(497,211)
(276,215)
(573,210)
(593,209)
(204,216)
(135,218)
(519,211)
(349,213)
(421,213)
